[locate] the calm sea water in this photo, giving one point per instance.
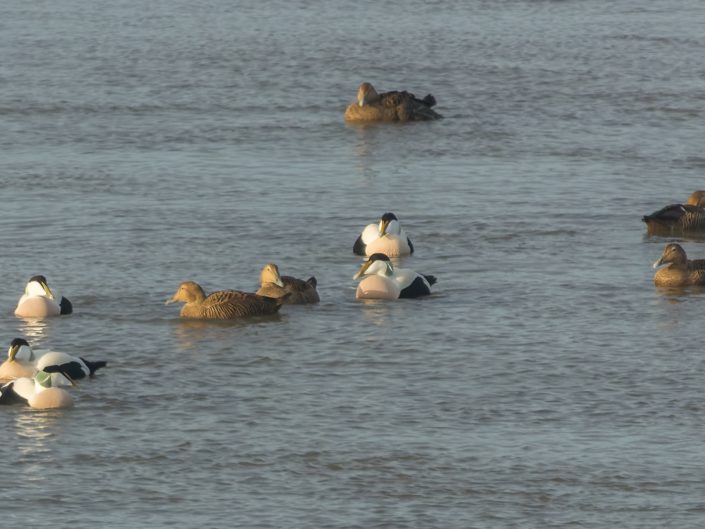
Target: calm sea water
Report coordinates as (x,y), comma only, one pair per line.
(545,383)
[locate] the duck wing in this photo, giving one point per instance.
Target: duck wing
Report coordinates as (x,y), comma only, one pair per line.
(396,98)
(228,304)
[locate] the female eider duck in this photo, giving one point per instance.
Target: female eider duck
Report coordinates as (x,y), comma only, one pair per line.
(274,285)
(223,304)
(385,237)
(23,362)
(678,218)
(38,300)
(380,280)
(40,391)
(390,106)
(680,272)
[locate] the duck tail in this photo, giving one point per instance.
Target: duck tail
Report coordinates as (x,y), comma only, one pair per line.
(429,100)
(94,366)
(312,281)
(431,279)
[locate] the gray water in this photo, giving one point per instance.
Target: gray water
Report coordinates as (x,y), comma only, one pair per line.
(545,383)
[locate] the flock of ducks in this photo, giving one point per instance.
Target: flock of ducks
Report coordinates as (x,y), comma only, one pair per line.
(675,270)
(39,380)
(378,279)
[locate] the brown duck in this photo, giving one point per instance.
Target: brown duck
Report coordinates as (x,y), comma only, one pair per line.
(390,106)
(223,304)
(274,285)
(680,271)
(679,218)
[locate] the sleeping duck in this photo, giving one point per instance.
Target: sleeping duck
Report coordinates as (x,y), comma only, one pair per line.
(380,280)
(40,391)
(39,301)
(681,271)
(387,237)
(679,218)
(390,106)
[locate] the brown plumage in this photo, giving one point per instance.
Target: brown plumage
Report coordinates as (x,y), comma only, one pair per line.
(679,218)
(223,304)
(274,285)
(680,271)
(390,106)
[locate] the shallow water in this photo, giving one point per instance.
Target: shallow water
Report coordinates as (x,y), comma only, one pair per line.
(545,383)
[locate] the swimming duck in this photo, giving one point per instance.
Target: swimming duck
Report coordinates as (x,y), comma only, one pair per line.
(380,280)
(678,218)
(385,237)
(223,304)
(390,106)
(274,285)
(38,300)
(23,362)
(680,271)
(39,391)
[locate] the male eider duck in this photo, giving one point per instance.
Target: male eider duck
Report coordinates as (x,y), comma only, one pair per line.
(223,304)
(385,237)
(274,285)
(380,280)
(390,106)
(679,218)
(23,362)
(38,300)
(40,392)
(680,271)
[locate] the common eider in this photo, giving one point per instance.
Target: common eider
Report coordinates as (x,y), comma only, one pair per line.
(22,361)
(681,271)
(223,304)
(390,106)
(679,219)
(386,236)
(274,285)
(39,392)
(39,301)
(380,280)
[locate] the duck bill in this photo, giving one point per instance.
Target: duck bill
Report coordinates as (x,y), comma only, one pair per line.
(362,269)
(12,352)
(659,262)
(47,290)
(383,224)
(279,282)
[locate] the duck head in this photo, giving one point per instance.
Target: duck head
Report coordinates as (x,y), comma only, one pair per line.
(389,224)
(672,254)
(188,292)
(366,94)
(697,198)
(270,274)
(38,286)
(20,350)
(377,263)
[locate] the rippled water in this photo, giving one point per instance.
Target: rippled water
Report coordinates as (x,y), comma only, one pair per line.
(545,383)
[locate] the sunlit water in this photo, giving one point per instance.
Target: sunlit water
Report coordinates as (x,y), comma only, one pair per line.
(545,383)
